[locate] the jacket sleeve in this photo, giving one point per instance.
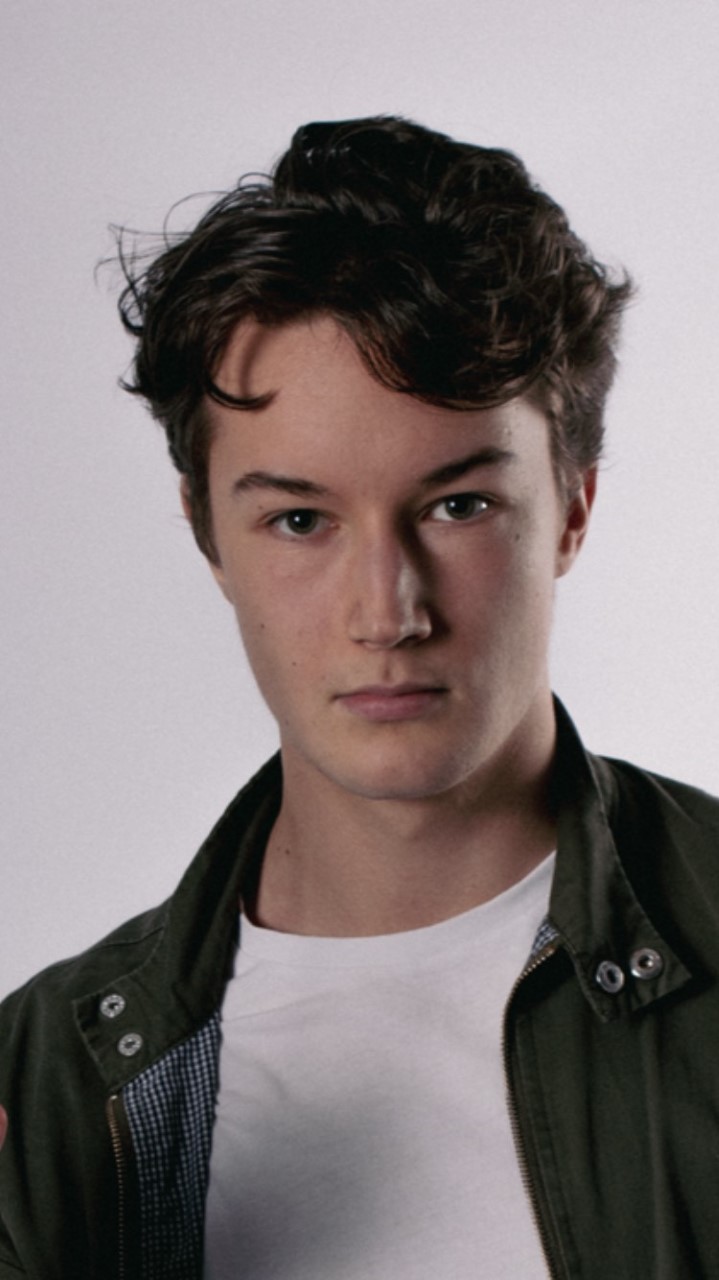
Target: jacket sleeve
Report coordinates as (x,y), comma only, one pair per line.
(10,1268)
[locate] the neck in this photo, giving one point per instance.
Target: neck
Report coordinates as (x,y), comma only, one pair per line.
(340,864)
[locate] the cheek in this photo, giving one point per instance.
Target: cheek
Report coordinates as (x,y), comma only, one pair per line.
(255,624)
(508,592)
(267,666)
(281,598)
(278,641)
(499,573)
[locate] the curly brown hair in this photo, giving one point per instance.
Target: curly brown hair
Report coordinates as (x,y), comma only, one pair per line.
(457,278)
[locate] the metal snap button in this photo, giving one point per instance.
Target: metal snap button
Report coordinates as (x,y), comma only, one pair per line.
(130,1044)
(609,977)
(112,1006)
(645,963)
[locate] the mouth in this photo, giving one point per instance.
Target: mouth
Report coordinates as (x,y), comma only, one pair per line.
(393,702)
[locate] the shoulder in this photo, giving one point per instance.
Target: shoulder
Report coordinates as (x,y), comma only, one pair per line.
(666,835)
(676,805)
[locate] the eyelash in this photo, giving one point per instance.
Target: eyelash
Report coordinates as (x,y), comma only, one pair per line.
(278,521)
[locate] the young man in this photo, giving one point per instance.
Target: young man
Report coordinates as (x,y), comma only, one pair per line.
(438,996)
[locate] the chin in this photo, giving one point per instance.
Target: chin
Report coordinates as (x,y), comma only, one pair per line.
(410,777)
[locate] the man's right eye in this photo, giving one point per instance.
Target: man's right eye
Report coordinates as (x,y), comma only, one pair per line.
(298,522)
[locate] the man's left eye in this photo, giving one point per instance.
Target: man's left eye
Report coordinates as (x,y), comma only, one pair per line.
(461,506)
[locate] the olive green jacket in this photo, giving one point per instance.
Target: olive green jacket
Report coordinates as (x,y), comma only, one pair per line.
(108,1062)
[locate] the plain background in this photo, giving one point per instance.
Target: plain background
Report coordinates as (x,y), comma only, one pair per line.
(128,715)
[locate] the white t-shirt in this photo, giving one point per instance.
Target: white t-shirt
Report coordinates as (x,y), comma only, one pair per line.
(362,1130)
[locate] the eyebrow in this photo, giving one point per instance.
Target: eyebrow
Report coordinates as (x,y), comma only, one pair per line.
(285,484)
(492,456)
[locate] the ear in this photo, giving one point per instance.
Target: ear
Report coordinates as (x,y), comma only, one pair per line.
(578,508)
(186,500)
(215,566)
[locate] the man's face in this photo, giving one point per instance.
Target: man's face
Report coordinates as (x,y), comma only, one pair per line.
(391,565)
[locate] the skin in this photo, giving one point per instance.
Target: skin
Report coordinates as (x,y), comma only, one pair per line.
(391,566)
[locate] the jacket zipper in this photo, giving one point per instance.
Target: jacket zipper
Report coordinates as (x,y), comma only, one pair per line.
(114,1106)
(534,963)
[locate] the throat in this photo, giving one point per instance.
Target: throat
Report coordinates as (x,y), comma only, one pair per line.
(330,880)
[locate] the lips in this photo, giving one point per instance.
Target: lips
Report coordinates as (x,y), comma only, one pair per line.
(407,701)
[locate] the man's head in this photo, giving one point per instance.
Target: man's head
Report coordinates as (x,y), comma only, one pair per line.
(391,565)
(459,282)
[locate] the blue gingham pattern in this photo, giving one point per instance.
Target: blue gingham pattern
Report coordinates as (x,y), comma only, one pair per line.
(171,1110)
(545,934)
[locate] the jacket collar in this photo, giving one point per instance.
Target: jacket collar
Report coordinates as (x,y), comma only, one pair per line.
(180,984)
(593,905)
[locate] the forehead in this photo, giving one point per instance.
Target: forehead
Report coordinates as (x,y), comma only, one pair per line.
(321,408)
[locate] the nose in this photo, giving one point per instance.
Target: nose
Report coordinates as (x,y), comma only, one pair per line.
(389,594)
